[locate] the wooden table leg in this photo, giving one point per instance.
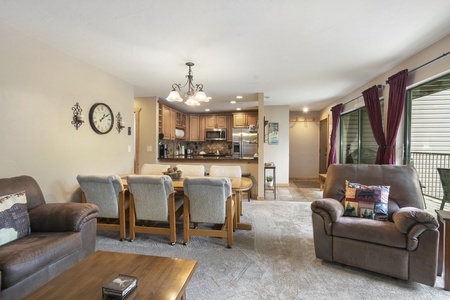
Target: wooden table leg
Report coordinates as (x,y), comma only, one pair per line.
(444,246)
(445,249)
(238,204)
(441,246)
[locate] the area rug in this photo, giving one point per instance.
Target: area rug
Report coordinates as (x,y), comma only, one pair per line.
(307,183)
(275,260)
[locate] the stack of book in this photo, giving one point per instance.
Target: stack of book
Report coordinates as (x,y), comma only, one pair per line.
(120,286)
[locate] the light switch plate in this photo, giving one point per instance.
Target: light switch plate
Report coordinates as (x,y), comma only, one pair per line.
(149,149)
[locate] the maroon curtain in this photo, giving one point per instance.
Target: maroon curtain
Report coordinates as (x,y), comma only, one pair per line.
(372,102)
(397,95)
(336,115)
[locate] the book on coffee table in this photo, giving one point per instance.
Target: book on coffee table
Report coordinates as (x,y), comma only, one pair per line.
(120,286)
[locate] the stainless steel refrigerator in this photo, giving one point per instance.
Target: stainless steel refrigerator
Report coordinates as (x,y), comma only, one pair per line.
(245,143)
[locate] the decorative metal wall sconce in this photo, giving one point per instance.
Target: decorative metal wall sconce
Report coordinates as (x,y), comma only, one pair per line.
(78,118)
(120,124)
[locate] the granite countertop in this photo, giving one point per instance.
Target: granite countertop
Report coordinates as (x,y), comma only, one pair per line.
(207,157)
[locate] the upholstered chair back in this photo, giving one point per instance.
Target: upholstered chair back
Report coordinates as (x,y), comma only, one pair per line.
(404,183)
(102,191)
(153,169)
(150,194)
(225,171)
(192,170)
(207,198)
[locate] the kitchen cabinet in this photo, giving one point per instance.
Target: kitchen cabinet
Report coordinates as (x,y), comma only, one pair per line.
(181,120)
(241,120)
(229,128)
(167,122)
(194,128)
(202,129)
(214,121)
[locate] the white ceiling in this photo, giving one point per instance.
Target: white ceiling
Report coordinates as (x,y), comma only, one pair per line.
(297,52)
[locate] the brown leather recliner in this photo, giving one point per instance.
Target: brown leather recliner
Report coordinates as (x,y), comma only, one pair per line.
(404,247)
(62,234)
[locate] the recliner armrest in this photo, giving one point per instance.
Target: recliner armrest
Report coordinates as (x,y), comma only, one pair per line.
(328,207)
(56,217)
(413,222)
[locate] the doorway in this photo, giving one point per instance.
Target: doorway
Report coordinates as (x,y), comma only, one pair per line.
(323,146)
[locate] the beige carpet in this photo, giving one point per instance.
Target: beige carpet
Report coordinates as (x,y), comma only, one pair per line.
(273,261)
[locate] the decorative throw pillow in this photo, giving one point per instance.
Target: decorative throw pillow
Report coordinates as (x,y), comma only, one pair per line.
(364,201)
(14,220)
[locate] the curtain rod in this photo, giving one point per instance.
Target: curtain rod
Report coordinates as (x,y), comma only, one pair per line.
(426,64)
(413,70)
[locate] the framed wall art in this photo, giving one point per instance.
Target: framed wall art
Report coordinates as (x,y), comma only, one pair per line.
(273,133)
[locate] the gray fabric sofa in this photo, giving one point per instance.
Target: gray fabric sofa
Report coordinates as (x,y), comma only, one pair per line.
(404,247)
(62,234)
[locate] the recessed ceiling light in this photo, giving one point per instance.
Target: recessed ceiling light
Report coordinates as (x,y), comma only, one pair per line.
(305,109)
(206,109)
(232,102)
(238,108)
(239,97)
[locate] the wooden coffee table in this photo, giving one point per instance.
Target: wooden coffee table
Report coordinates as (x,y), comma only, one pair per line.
(158,277)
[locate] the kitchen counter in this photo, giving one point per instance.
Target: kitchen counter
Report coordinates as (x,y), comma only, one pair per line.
(209,158)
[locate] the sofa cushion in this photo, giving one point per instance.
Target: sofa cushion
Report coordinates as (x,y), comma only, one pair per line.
(14,219)
(372,231)
(32,253)
(370,202)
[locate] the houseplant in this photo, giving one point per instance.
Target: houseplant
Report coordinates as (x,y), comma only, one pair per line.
(269,181)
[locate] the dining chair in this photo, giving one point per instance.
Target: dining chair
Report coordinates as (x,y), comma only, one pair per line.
(107,192)
(192,170)
(153,169)
(208,201)
(444,174)
(225,171)
(152,201)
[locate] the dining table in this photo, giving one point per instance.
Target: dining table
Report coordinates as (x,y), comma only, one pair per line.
(239,185)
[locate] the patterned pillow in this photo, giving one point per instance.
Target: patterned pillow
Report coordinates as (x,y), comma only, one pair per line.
(364,201)
(14,220)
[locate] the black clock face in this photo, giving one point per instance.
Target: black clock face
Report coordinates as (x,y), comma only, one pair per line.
(101,118)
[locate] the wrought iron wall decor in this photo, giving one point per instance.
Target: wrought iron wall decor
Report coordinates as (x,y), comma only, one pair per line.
(78,118)
(120,124)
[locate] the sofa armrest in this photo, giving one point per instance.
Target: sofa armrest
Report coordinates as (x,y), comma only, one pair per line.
(413,222)
(328,208)
(54,217)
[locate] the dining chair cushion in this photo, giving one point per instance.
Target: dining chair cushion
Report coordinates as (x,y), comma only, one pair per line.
(150,193)
(207,198)
(225,171)
(192,170)
(102,191)
(153,169)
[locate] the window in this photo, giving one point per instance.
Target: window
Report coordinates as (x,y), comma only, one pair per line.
(427,132)
(358,146)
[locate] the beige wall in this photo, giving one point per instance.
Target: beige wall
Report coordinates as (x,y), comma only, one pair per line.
(424,74)
(38,88)
(304,140)
(148,128)
(279,154)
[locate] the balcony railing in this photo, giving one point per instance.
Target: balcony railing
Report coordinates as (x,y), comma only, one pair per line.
(426,165)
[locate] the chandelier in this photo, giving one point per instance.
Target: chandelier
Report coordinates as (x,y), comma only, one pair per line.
(193,96)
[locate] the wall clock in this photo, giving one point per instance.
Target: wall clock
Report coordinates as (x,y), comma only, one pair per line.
(101,118)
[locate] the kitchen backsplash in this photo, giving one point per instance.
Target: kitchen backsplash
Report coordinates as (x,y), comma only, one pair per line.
(197,147)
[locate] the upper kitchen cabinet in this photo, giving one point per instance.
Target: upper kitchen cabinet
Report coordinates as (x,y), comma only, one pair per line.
(181,120)
(245,119)
(167,121)
(194,128)
(214,121)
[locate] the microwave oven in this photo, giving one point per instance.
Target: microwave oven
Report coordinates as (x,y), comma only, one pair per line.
(216,134)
